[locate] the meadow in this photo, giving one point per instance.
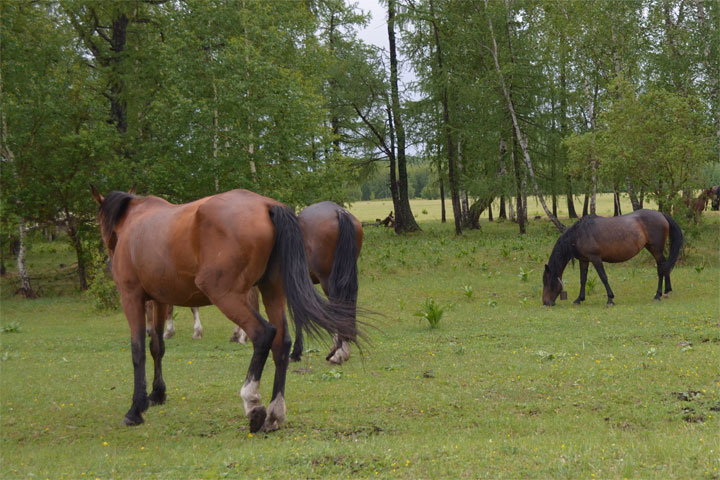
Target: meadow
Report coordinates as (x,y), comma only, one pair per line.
(501,388)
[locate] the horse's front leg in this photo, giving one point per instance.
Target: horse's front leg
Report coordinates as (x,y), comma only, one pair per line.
(583,279)
(157,350)
(134,309)
(601,272)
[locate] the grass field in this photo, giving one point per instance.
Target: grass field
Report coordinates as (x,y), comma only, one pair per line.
(502,388)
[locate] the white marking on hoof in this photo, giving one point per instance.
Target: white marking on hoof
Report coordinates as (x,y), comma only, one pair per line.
(276,414)
(342,354)
(250,394)
(197,335)
(239,336)
(666,295)
(168,334)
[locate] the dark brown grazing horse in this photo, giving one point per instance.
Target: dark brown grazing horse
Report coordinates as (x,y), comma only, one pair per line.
(333,240)
(596,240)
(212,251)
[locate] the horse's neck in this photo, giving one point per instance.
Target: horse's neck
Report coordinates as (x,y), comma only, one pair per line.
(559,258)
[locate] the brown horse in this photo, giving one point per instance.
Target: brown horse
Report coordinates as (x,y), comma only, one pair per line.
(333,240)
(696,206)
(596,240)
(212,251)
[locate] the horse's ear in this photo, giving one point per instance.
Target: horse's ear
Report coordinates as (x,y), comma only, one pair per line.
(132,190)
(96,195)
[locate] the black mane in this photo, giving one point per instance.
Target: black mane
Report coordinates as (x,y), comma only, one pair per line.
(564,249)
(113,209)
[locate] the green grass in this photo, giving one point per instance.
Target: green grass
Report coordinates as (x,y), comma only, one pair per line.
(502,388)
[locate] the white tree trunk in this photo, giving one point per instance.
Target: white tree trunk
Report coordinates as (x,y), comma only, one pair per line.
(25,287)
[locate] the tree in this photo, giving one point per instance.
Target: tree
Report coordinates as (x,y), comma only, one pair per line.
(659,139)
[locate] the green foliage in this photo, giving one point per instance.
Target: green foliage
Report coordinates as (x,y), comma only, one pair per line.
(12,327)
(101,288)
(432,312)
(524,274)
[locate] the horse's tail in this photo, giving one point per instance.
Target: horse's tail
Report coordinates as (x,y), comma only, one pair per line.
(343,280)
(309,310)
(676,242)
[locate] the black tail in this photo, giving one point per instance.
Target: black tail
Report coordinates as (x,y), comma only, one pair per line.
(676,242)
(310,311)
(343,280)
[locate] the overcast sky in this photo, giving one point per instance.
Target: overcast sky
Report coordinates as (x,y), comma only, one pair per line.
(376,31)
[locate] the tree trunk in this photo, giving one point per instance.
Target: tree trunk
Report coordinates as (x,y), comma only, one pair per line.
(118,103)
(502,213)
(77,245)
(570,202)
(490,215)
(443,213)
(593,158)
(454,193)
(617,209)
(585,205)
(520,212)
(25,287)
(507,91)
(404,219)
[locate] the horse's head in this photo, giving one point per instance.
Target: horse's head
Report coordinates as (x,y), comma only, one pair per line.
(110,210)
(552,287)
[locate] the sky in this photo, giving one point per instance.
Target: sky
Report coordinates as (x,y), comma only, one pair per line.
(376,32)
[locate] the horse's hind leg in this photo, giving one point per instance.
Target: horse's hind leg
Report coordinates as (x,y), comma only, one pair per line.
(157,350)
(134,309)
(660,260)
(600,269)
(170,324)
(274,301)
(197,328)
(297,348)
(236,307)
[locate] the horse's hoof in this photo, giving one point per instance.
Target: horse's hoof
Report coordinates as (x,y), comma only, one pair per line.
(576,302)
(610,304)
(270,426)
(197,335)
(657,299)
(666,296)
(167,335)
(257,418)
(156,398)
(132,421)
(295,358)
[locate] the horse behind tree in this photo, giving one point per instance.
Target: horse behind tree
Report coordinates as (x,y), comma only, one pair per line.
(213,251)
(595,240)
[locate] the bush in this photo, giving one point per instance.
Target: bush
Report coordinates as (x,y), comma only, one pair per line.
(101,288)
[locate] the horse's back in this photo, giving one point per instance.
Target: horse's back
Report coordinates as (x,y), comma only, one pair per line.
(222,236)
(320,227)
(617,239)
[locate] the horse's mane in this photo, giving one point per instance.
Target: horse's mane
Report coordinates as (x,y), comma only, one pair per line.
(113,209)
(564,249)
